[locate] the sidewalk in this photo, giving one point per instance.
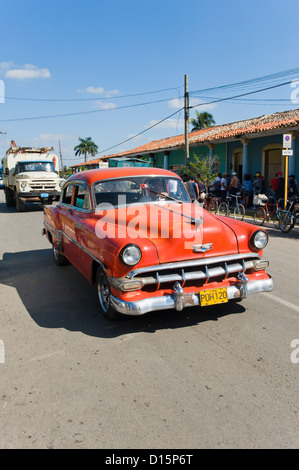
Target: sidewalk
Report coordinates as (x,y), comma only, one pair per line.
(294,233)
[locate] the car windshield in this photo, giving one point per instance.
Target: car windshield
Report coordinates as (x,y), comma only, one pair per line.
(34,166)
(140,189)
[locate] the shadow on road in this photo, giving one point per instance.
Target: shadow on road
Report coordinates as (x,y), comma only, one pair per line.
(60,297)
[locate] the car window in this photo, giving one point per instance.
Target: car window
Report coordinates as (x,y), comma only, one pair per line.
(82,198)
(139,189)
(66,196)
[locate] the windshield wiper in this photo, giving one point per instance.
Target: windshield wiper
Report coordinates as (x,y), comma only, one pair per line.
(166,196)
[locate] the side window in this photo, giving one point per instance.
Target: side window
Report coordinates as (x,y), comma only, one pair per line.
(66,197)
(82,198)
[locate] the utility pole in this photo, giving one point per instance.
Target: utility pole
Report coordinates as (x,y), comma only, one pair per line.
(186,108)
(61,162)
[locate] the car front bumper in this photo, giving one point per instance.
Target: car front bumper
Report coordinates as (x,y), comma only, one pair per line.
(179,300)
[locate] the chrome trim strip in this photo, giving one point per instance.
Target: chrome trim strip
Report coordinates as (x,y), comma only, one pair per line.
(83,249)
(59,234)
(178,299)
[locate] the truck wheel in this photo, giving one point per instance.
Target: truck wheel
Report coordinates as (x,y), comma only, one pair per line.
(59,259)
(103,291)
(20,205)
(8,197)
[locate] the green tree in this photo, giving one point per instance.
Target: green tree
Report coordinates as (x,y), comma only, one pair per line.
(86,147)
(202,121)
(203,169)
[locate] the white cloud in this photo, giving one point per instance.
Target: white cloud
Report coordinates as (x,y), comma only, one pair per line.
(104,105)
(168,124)
(178,103)
(96,90)
(49,138)
(99,91)
(23,72)
(6,65)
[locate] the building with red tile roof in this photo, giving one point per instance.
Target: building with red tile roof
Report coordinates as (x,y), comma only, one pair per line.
(245,146)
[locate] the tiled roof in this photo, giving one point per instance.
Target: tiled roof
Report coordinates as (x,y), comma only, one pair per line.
(224,132)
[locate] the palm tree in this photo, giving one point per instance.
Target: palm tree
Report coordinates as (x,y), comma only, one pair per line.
(86,147)
(202,121)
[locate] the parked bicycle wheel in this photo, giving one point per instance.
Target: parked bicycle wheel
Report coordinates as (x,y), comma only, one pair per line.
(286,222)
(239,212)
(276,218)
(213,206)
(223,209)
(259,216)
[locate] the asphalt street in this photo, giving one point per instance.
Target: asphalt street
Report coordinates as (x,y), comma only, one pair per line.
(220,377)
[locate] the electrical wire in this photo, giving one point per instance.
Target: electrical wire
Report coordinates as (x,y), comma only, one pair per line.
(92,99)
(195,106)
(78,113)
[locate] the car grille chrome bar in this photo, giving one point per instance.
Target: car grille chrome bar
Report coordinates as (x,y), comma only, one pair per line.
(205,270)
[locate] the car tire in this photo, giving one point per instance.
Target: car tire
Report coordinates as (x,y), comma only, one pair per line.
(8,197)
(59,259)
(20,205)
(104,297)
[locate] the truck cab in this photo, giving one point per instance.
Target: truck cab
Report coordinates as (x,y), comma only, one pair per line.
(30,174)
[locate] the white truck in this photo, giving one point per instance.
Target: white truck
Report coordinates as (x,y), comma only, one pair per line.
(30,174)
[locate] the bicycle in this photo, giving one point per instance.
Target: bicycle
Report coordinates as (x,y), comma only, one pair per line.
(225,208)
(210,203)
(289,217)
(262,213)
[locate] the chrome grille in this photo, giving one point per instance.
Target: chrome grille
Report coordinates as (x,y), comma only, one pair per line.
(207,269)
(43,185)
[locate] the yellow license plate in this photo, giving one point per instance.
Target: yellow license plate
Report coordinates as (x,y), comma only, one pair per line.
(213,296)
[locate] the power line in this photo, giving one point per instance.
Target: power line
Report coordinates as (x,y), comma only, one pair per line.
(78,113)
(142,132)
(241,94)
(190,107)
(91,99)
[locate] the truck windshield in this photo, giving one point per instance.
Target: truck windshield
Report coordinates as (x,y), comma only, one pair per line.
(34,166)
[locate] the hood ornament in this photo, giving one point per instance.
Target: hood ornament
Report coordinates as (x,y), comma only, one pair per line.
(202,248)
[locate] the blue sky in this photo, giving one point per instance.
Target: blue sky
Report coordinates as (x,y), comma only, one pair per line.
(95,53)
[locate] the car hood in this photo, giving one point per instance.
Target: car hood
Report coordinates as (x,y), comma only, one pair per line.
(178,231)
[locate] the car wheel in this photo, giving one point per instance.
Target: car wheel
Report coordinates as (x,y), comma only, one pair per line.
(104,296)
(20,205)
(59,259)
(8,197)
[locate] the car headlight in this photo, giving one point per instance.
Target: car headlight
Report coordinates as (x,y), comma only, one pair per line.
(61,183)
(24,184)
(130,255)
(259,240)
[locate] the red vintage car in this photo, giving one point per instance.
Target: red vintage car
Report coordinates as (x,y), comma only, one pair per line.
(134,233)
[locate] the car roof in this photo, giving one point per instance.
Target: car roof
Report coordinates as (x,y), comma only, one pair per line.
(91,176)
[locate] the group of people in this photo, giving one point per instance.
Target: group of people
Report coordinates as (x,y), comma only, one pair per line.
(226,184)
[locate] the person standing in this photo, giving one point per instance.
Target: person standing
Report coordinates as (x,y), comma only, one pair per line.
(223,187)
(257,184)
(247,190)
(280,186)
(292,187)
(234,185)
(217,185)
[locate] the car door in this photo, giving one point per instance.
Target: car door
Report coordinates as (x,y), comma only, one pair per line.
(71,222)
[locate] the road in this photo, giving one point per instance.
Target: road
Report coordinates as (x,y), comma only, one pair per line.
(221,377)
